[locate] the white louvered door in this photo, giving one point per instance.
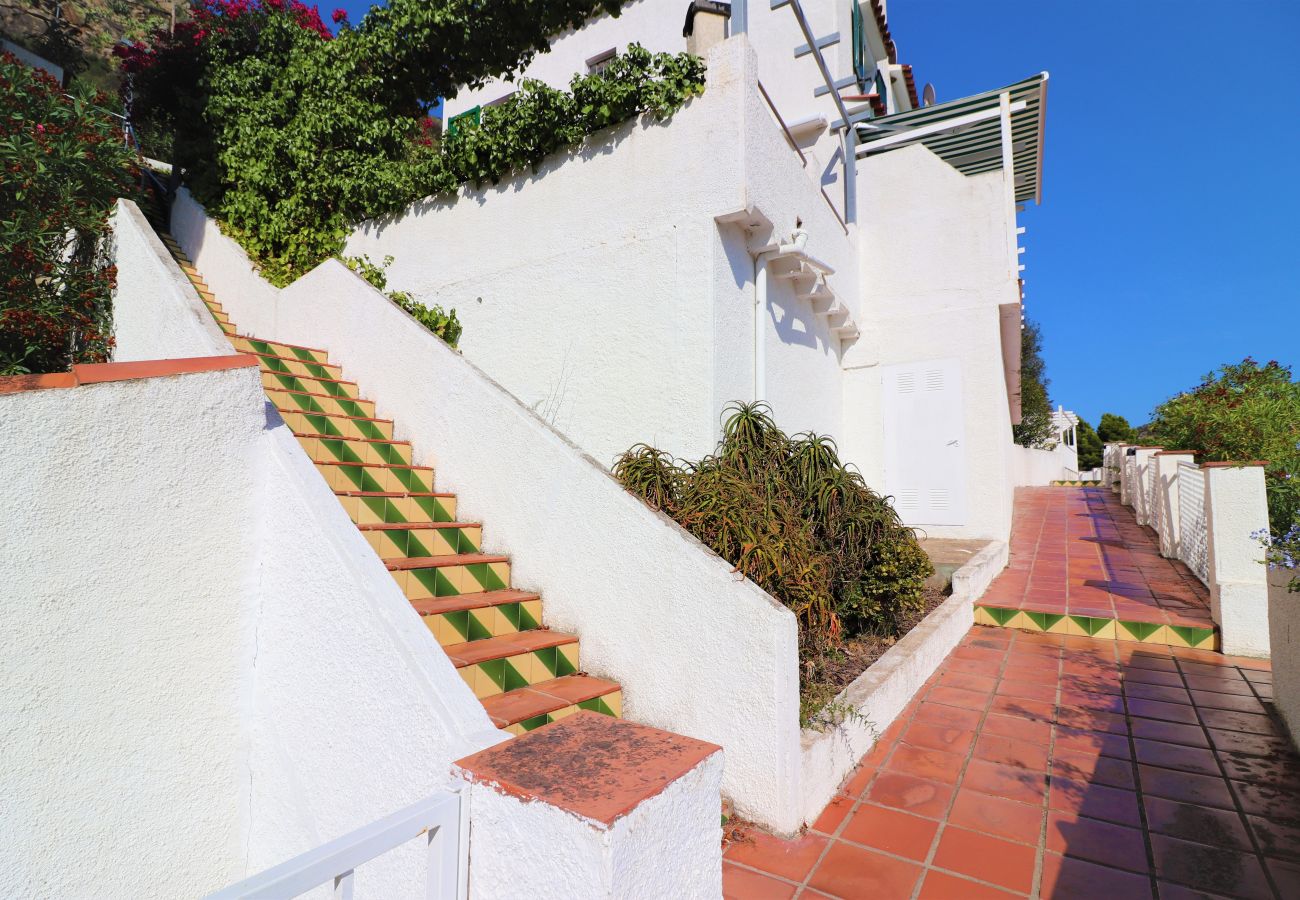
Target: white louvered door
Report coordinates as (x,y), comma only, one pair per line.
(925,453)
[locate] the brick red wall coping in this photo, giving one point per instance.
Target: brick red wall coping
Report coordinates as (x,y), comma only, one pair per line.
(124,371)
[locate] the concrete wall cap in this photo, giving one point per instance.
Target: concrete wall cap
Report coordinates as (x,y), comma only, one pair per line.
(98,373)
(1234,465)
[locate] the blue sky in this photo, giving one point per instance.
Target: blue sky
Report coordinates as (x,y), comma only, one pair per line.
(1169,235)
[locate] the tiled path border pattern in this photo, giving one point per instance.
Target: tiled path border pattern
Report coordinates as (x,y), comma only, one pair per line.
(1057,766)
(1081,565)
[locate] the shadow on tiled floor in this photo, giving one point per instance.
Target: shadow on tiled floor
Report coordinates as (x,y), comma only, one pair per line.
(1059,766)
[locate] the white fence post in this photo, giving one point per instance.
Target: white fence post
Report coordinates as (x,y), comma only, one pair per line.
(1167,518)
(1236,507)
(1140,491)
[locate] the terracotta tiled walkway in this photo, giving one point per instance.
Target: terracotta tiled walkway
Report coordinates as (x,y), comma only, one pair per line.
(1079,551)
(1058,766)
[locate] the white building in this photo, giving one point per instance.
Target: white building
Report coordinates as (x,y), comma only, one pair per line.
(629,291)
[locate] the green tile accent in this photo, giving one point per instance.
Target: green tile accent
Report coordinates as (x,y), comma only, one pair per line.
(1000,614)
(1044,620)
(389,453)
(535,722)
(1140,630)
(1194,636)
(1091,625)
(563,666)
(526,620)
(496,670)
(438,584)
(369,429)
(414,546)
(463,543)
(275,364)
(596,704)
(317,370)
(511,612)
(333,388)
(548,656)
(387,512)
(513,680)
(459,620)
(483,574)
(340,450)
(410,479)
(303,354)
(324,425)
(477,630)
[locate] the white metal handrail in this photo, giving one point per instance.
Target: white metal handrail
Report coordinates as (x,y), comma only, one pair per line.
(443,818)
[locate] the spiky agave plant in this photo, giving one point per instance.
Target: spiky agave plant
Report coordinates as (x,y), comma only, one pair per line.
(792,517)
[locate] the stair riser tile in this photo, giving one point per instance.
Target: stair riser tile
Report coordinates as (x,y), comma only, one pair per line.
(496,676)
(275,381)
(308,423)
(451,581)
(358,452)
(395,510)
(491,621)
(271,348)
(376,478)
(608,704)
(289,402)
(299,368)
(1098,628)
(398,544)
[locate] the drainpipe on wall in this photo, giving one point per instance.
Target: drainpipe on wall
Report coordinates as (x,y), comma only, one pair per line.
(798,241)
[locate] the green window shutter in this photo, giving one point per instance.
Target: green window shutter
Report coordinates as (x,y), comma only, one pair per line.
(468,117)
(859,46)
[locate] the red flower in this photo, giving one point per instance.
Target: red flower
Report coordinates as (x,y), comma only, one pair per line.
(339,15)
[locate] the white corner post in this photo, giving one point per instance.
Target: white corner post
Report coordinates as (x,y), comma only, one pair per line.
(1166,474)
(1126,474)
(1235,508)
(1143,476)
(1009,175)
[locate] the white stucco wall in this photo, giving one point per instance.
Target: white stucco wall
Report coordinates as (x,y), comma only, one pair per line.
(157,314)
(668,846)
(123,749)
(697,650)
(1236,507)
(935,266)
(602,292)
(1036,467)
(209,671)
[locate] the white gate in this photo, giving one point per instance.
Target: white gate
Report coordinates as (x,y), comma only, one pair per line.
(925,436)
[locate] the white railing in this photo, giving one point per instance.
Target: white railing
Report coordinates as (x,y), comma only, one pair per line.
(1193,532)
(442,819)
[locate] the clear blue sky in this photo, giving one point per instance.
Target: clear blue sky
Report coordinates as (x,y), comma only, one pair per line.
(1168,238)
(1169,235)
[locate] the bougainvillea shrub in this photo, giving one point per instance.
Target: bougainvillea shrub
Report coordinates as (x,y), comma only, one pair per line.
(64,164)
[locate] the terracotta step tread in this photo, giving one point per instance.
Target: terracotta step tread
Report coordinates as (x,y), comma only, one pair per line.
(335,462)
(284,390)
(392,494)
(544,697)
(357,440)
(414,526)
(436,606)
(436,562)
(249,337)
(330,415)
(473,652)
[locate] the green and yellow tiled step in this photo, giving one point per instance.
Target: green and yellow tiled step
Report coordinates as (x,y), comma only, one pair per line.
(1204,638)
(524,674)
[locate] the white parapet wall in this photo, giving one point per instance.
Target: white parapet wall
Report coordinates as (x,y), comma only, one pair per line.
(157,314)
(697,649)
(207,669)
(1236,510)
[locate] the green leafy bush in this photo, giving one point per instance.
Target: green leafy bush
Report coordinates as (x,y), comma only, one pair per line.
(442,323)
(1089,446)
(790,515)
(1243,411)
(1036,428)
(64,165)
(291,138)
(1115,429)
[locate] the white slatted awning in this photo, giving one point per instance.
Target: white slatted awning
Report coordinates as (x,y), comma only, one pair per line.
(967,133)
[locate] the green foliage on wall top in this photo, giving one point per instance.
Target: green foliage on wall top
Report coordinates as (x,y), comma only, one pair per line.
(291,138)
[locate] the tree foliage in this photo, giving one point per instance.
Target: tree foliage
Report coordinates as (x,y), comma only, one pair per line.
(1115,429)
(787,513)
(291,137)
(1035,428)
(1241,412)
(1089,446)
(64,165)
